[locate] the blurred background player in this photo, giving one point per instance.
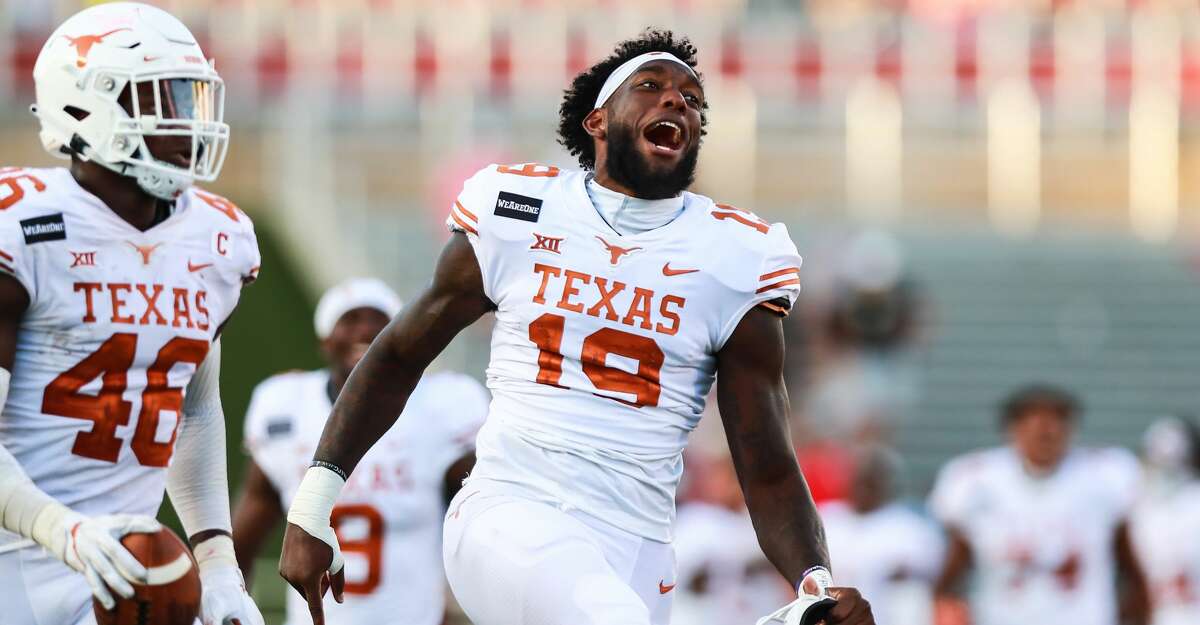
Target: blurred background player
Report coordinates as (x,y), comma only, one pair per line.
(116,278)
(389,516)
(1165,523)
(880,545)
(722,576)
(612,320)
(1043,522)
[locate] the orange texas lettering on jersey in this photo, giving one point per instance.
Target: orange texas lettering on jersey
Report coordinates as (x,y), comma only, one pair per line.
(595,296)
(143,304)
(379,477)
(372,477)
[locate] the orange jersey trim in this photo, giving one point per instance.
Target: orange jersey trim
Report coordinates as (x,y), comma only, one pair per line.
(466,212)
(462,224)
(5,256)
(775,308)
(781,272)
(771,287)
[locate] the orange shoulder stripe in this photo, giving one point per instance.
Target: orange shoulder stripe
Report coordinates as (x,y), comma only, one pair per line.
(771,287)
(466,212)
(5,256)
(463,224)
(775,308)
(781,272)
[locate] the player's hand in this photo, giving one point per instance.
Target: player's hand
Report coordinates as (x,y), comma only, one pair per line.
(312,565)
(223,598)
(93,547)
(811,605)
(805,610)
(818,605)
(851,608)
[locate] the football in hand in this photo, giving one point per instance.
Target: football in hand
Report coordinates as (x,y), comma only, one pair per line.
(171,595)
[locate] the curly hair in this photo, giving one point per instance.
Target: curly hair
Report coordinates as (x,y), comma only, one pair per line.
(579,99)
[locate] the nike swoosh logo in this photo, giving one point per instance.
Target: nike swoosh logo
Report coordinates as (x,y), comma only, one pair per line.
(664,588)
(194,268)
(667,271)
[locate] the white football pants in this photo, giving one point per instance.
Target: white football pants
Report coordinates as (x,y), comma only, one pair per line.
(514,561)
(37,589)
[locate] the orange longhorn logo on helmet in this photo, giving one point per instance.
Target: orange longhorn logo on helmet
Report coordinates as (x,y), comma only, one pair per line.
(83,44)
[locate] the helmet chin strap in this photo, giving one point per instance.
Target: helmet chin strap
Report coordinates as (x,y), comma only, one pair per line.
(158,184)
(161,185)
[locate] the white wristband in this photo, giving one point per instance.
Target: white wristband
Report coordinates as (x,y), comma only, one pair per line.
(313,505)
(315,498)
(214,553)
(815,583)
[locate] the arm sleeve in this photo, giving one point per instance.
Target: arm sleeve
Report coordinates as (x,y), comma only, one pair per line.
(24,508)
(28,511)
(196,480)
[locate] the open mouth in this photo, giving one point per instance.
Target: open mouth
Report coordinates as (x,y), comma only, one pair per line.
(665,137)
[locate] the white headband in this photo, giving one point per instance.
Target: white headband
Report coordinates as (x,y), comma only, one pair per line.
(351,294)
(627,69)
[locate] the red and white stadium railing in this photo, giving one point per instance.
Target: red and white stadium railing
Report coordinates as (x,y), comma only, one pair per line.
(1081,61)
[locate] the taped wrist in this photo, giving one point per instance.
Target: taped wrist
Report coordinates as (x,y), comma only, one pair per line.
(215,553)
(196,480)
(815,582)
(314,500)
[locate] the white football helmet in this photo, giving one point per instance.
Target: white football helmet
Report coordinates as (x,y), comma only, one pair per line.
(116,74)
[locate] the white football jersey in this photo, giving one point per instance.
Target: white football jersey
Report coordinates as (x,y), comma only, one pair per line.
(1040,546)
(118,320)
(389,516)
(1165,526)
(892,555)
(605,345)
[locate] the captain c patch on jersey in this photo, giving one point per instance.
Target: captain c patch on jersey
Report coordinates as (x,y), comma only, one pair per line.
(517,206)
(45,228)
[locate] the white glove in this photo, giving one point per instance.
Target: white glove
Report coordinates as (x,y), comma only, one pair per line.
(223,597)
(93,548)
(810,606)
(90,545)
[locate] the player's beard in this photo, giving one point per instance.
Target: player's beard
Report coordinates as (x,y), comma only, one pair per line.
(631,169)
